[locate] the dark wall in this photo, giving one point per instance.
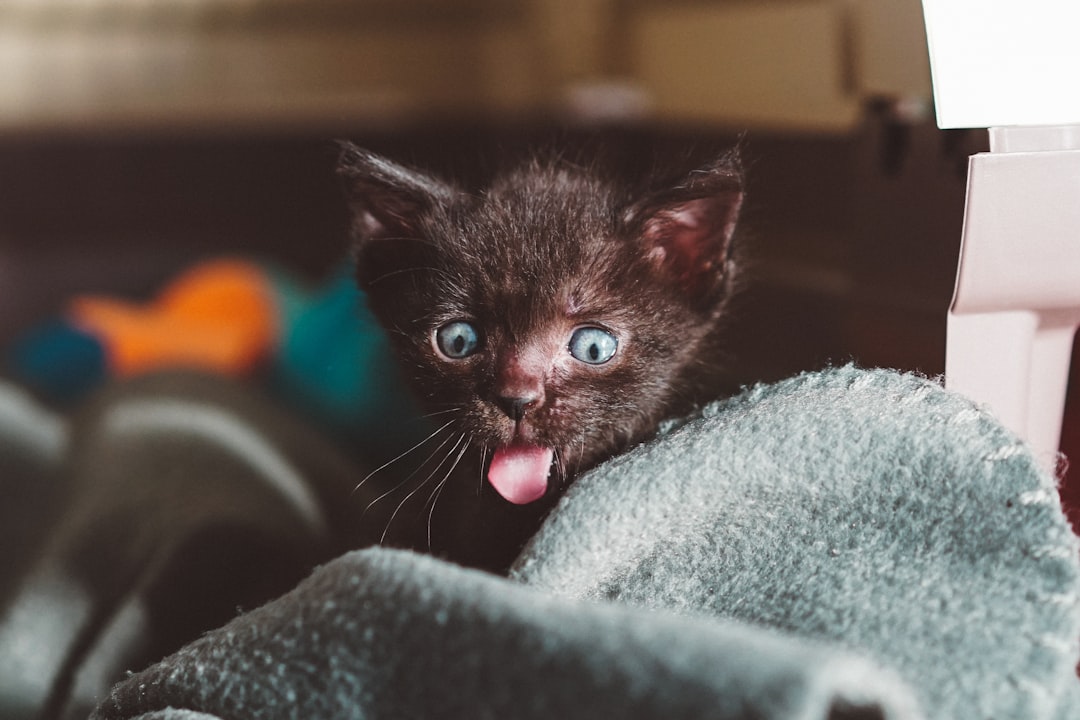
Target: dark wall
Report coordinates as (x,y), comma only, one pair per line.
(853,239)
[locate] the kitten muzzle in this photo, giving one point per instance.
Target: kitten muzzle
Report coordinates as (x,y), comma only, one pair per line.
(519,473)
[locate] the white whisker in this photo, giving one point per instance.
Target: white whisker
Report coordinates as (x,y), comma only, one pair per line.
(460,440)
(434,497)
(391,462)
(441,412)
(410,476)
(483,461)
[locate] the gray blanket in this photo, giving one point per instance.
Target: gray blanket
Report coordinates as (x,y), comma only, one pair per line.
(846,544)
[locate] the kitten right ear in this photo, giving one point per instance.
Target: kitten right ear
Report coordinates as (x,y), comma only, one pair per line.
(387,199)
(686,230)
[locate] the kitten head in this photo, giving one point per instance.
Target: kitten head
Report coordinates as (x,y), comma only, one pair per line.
(556,316)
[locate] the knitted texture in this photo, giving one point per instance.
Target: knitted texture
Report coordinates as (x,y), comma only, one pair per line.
(392,634)
(766,559)
(867,508)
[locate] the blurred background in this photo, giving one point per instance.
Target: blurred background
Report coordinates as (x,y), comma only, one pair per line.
(137,136)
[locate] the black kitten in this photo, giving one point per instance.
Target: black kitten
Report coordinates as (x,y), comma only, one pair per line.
(555,317)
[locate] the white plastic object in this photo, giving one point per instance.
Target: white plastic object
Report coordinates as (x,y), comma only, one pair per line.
(1004,62)
(1011,66)
(1016,305)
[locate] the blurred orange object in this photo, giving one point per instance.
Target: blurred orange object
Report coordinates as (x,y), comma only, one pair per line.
(219,316)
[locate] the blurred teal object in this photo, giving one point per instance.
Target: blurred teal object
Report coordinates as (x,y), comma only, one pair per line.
(330,360)
(335,362)
(59,362)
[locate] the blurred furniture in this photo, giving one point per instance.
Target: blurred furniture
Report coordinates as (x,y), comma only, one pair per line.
(802,65)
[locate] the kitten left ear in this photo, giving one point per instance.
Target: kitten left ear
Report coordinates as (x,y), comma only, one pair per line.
(387,199)
(389,203)
(686,230)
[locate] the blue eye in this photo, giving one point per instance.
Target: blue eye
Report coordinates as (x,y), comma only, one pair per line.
(593,345)
(457,340)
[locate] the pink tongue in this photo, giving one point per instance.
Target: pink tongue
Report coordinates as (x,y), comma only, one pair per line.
(519,472)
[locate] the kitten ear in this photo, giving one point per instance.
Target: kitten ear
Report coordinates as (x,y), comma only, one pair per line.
(387,200)
(686,230)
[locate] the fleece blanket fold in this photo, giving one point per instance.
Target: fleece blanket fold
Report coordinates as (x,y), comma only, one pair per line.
(866,508)
(845,544)
(143,520)
(393,634)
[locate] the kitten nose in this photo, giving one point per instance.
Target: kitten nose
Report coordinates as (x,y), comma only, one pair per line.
(516,407)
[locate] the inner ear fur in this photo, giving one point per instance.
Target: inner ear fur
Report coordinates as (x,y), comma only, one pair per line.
(686,230)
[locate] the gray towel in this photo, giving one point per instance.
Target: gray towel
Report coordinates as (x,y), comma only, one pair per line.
(847,544)
(867,508)
(394,634)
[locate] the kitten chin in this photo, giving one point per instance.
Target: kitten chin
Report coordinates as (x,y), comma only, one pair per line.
(548,321)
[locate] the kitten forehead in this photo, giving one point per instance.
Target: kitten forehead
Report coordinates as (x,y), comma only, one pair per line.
(550,242)
(528,264)
(530,228)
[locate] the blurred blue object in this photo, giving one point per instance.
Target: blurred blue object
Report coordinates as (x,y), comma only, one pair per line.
(59,362)
(335,362)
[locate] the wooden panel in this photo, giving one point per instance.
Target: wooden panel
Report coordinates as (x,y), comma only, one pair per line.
(743,64)
(82,71)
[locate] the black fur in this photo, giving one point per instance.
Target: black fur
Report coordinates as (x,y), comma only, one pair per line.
(546,248)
